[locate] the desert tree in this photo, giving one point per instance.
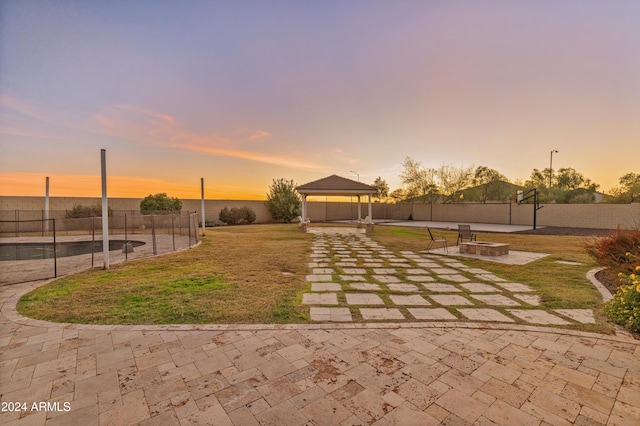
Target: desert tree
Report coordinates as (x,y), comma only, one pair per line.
(573,187)
(491,184)
(398,195)
(628,190)
(383,189)
(568,179)
(417,181)
(567,186)
(453,180)
(283,202)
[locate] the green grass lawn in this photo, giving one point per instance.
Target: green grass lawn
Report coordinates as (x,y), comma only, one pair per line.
(242,274)
(560,286)
(256,274)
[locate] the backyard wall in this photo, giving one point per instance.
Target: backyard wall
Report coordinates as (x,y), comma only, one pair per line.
(607,216)
(58,205)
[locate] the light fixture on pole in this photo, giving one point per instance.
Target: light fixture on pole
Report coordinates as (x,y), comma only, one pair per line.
(551,167)
(357,174)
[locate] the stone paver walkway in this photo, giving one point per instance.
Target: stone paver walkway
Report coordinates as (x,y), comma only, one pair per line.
(431,370)
(361,272)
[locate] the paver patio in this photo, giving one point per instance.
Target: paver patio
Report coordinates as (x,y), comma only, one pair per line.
(385,373)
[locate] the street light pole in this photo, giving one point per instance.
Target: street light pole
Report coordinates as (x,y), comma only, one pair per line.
(551,168)
(357,174)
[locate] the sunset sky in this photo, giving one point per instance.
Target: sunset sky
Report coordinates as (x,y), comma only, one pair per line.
(242,92)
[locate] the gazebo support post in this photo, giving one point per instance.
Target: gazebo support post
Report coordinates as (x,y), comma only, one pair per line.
(369,224)
(303,225)
(304,207)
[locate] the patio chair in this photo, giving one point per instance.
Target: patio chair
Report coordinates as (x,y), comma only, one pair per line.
(464,233)
(433,241)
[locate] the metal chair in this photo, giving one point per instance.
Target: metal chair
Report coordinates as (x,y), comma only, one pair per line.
(433,241)
(464,232)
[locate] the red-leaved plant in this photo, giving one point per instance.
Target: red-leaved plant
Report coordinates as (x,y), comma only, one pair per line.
(620,251)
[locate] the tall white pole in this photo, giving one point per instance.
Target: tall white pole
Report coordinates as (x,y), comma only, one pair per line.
(202,203)
(46,206)
(105,210)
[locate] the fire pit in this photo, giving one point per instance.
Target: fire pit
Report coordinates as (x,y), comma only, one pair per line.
(484,248)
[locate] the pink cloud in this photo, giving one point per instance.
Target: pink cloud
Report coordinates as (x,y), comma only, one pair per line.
(259,134)
(21,105)
(16,131)
(152,114)
(53,116)
(163,130)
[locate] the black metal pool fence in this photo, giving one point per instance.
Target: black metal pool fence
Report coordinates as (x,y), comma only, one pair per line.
(39,245)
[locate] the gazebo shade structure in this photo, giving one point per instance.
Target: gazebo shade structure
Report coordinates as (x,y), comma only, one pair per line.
(336,186)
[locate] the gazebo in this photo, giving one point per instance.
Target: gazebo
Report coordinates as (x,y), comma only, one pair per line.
(336,186)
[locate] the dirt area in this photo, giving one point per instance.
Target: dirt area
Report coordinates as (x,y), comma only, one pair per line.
(609,279)
(580,232)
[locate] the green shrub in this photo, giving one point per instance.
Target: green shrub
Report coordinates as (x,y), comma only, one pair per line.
(624,307)
(248,214)
(160,202)
(283,202)
(237,215)
(620,252)
(225,216)
(80,211)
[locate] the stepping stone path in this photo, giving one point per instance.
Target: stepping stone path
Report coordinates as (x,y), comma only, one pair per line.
(357,279)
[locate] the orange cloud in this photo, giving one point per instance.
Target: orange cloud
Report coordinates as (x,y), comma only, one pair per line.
(278,160)
(70,185)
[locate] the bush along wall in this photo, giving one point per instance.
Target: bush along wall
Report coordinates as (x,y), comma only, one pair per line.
(237,216)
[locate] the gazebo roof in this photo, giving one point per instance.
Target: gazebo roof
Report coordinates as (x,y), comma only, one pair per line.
(336,185)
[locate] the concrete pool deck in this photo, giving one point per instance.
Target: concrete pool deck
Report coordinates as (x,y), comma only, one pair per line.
(453,226)
(14,271)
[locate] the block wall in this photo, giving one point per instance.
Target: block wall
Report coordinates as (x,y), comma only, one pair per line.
(607,216)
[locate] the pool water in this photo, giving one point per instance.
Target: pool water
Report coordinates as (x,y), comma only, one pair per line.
(35,251)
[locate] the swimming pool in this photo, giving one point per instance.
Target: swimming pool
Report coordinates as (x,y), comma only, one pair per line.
(44,250)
